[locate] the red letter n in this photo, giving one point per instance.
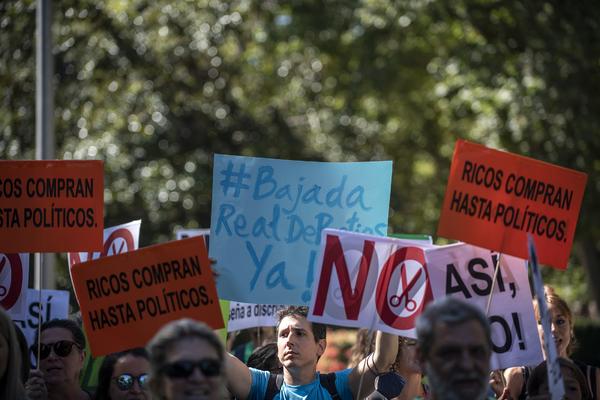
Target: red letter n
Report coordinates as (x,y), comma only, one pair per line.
(334,255)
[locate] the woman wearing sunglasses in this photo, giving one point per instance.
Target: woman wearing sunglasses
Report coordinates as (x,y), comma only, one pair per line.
(186,361)
(60,362)
(124,376)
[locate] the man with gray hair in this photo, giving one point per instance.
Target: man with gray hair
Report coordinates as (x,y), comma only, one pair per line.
(454,348)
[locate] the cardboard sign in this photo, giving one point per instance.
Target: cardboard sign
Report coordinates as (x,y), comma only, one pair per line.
(467,272)
(366,281)
(14,280)
(54,305)
(205,234)
(51,206)
(268,215)
(186,233)
(117,239)
(494,199)
(555,379)
(142,290)
(248,315)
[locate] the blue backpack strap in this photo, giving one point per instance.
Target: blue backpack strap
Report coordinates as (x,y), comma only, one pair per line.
(274,385)
(328,382)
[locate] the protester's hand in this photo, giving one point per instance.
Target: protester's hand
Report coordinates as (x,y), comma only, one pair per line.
(35,387)
(496,383)
(505,395)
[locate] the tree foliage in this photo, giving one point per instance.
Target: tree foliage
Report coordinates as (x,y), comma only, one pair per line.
(155,88)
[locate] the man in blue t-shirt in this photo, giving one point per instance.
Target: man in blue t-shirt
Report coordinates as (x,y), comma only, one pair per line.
(300,344)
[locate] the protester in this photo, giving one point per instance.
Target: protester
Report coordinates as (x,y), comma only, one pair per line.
(124,376)
(247,340)
(186,361)
(300,344)
(265,358)
(454,348)
(406,364)
(564,338)
(576,387)
(60,363)
(11,385)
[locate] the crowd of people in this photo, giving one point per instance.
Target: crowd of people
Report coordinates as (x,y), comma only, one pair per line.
(450,359)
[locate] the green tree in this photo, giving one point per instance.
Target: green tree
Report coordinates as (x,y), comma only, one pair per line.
(156,88)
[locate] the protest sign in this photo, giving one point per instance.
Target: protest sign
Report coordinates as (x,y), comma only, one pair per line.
(14,280)
(117,239)
(466,272)
(494,199)
(54,305)
(556,384)
(366,281)
(186,233)
(142,290)
(268,215)
(205,234)
(51,206)
(248,315)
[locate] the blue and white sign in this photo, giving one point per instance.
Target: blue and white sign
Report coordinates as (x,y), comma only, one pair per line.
(268,215)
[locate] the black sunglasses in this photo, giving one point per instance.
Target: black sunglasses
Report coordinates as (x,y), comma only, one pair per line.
(126,381)
(184,368)
(62,348)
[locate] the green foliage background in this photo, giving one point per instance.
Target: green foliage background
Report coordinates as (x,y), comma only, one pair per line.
(155,88)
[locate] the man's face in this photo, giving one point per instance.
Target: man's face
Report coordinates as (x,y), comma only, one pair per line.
(296,346)
(458,362)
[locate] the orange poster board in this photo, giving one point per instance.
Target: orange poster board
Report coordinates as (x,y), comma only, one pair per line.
(494,199)
(125,299)
(51,206)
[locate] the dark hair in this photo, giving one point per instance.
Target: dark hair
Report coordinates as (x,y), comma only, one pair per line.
(11,386)
(449,311)
(319,330)
(67,324)
(71,326)
(25,361)
(540,375)
(265,358)
(108,366)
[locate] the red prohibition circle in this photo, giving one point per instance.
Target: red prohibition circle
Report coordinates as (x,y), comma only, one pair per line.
(16,281)
(118,234)
(383,308)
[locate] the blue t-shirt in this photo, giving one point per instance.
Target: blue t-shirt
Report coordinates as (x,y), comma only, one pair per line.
(313,390)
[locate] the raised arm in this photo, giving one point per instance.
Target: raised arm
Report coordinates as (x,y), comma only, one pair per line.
(382,358)
(239,379)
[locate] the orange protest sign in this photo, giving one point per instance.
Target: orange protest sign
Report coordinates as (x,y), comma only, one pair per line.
(51,206)
(494,199)
(126,298)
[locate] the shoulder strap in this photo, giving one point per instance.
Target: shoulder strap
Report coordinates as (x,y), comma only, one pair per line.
(328,382)
(273,386)
(590,376)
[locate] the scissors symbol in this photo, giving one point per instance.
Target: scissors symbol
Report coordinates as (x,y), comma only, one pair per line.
(409,304)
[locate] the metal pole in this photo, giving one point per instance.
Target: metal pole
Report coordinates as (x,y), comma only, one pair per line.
(44,113)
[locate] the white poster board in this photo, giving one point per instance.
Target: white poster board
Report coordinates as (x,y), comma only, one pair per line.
(248,315)
(117,239)
(14,280)
(467,272)
(367,281)
(555,379)
(55,304)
